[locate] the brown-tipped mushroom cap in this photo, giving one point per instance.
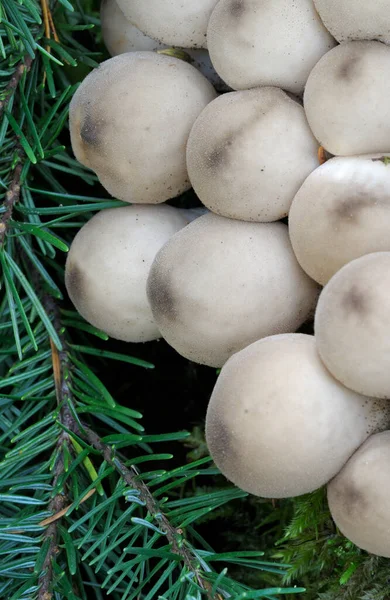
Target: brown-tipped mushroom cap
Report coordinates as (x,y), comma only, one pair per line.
(108,265)
(130,120)
(279,425)
(173,22)
(346,99)
(341,212)
(249,152)
(349,20)
(119,34)
(221,284)
(266,42)
(359,496)
(352,325)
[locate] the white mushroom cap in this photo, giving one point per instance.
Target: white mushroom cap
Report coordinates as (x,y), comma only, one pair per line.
(249,152)
(108,265)
(173,22)
(352,325)
(347,99)
(130,120)
(119,34)
(279,425)
(221,284)
(359,496)
(266,42)
(349,20)
(341,212)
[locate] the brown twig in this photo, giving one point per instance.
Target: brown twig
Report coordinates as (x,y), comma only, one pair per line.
(58,505)
(132,479)
(11,198)
(23,66)
(13,193)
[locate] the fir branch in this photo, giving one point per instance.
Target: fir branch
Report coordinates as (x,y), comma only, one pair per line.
(21,68)
(58,503)
(11,198)
(132,479)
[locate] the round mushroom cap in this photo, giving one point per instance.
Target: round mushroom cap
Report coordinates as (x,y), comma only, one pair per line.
(119,34)
(173,22)
(346,99)
(359,498)
(266,42)
(341,212)
(108,265)
(249,152)
(352,325)
(221,284)
(130,120)
(349,20)
(279,425)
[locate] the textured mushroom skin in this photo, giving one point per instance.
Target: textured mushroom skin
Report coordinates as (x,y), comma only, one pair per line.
(108,265)
(341,212)
(249,152)
(352,325)
(266,42)
(359,498)
(349,20)
(279,425)
(222,284)
(346,99)
(173,22)
(130,120)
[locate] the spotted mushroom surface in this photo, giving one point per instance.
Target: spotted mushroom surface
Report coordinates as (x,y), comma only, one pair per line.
(279,425)
(221,284)
(352,325)
(359,498)
(108,265)
(249,152)
(266,42)
(346,99)
(173,22)
(142,159)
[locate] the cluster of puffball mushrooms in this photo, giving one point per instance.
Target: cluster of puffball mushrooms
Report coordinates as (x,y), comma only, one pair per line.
(301,129)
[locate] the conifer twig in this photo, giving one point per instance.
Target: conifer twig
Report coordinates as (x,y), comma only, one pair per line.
(23,66)
(174,535)
(130,476)
(58,504)
(11,198)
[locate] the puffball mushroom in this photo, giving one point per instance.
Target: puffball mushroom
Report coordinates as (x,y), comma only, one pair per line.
(249,152)
(119,34)
(266,42)
(359,499)
(341,212)
(108,265)
(130,120)
(279,425)
(349,20)
(173,22)
(352,325)
(346,99)
(221,284)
